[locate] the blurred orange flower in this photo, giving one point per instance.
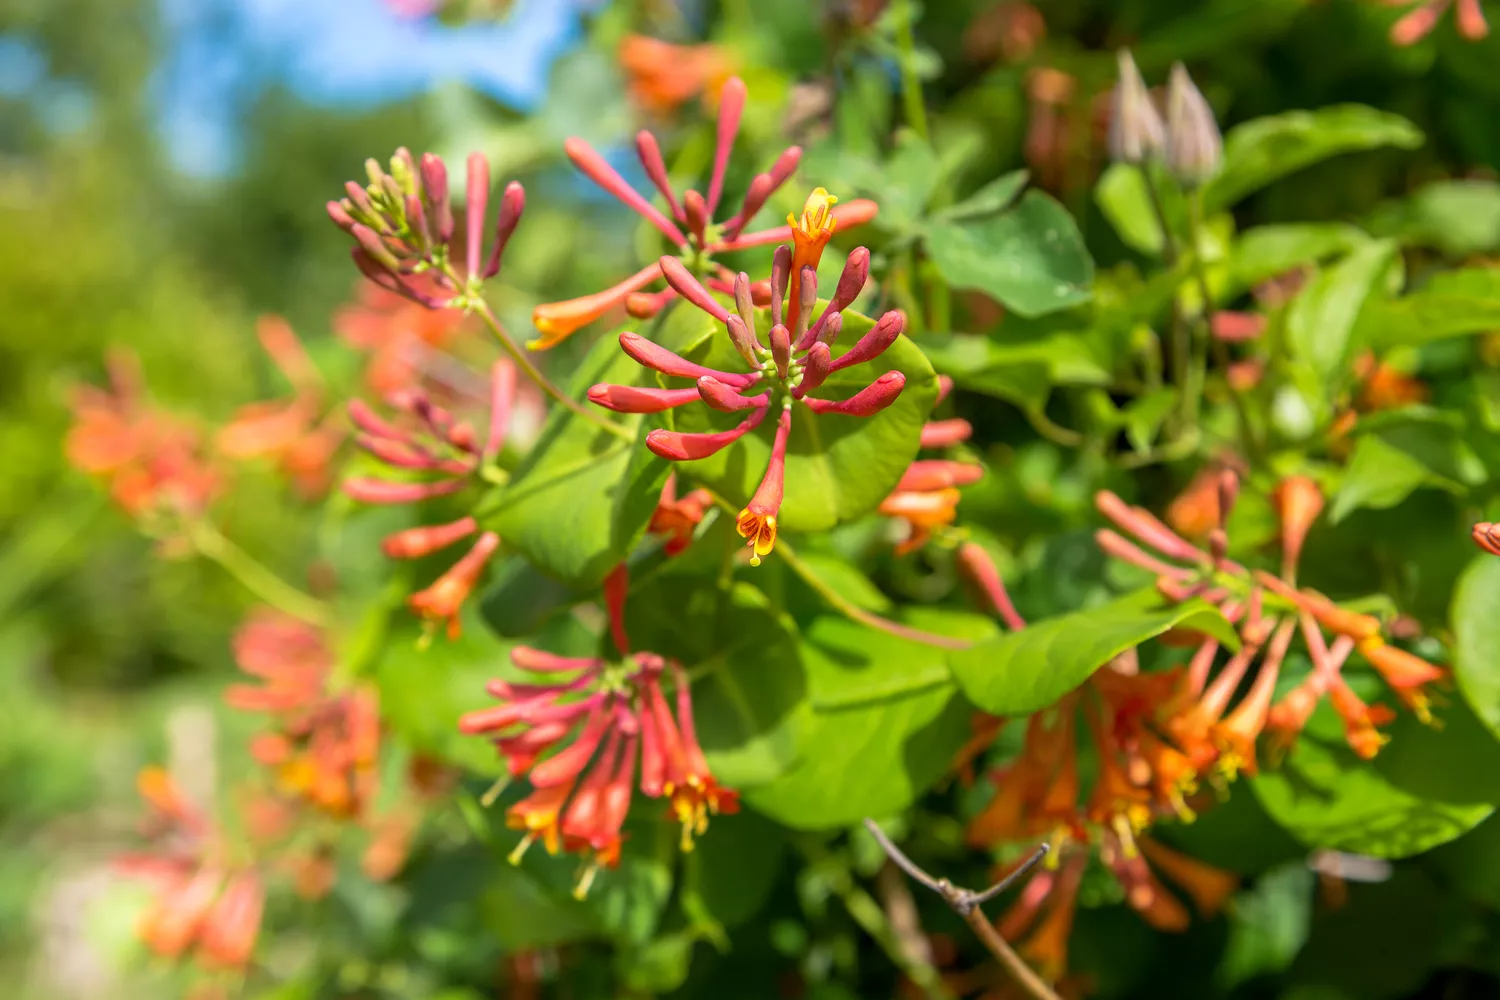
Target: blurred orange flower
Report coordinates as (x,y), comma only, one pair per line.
(662,76)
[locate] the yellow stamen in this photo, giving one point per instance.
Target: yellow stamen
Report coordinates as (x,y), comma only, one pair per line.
(520,851)
(759,530)
(810,235)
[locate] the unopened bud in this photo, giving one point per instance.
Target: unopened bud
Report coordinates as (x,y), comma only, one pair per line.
(1298,503)
(743,340)
(816,364)
(832,327)
(781,348)
(1136,133)
(375,247)
(781,269)
(696,211)
(512,204)
(807,299)
(340,216)
(1194,148)
(435,185)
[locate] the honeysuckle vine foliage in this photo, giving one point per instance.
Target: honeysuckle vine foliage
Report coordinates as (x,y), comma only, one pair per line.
(905,510)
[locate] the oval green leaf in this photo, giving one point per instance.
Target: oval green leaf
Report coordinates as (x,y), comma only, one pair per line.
(1027,671)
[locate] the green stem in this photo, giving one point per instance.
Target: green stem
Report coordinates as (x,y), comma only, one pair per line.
(542,382)
(1221,350)
(254,576)
(1052,431)
(911,87)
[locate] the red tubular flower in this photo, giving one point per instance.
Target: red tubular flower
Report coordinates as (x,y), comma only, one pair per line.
(677,520)
(785,374)
(691,230)
(614,714)
(975,563)
(1298,503)
(1236,735)
(1235,327)
(1487,537)
(757,522)
(1424,15)
(230,929)
(445,597)
(402,223)
(1406,675)
(945,433)
(429,439)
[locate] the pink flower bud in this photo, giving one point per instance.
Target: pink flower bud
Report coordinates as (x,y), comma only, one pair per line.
(340,216)
(724,399)
(372,423)
(731,107)
(435,187)
(502,399)
(416,218)
(881,336)
(760,189)
(1194,148)
(660,359)
(696,212)
(936,474)
(807,300)
(868,401)
(1136,133)
(478,194)
(781,269)
(512,204)
(676,446)
(634,399)
(414,543)
(743,340)
(975,564)
(781,348)
(946,433)
(649,152)
(851,282)
(371,243)
(594,167)
(832,326)
(816,364)
(688,286)
(383,491)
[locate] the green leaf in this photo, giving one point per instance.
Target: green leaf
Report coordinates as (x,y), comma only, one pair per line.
(1264,252)
(1269,924)
(872,759)
(747,674)
(424,691)
(849,664)
(906,182)
(993,197)
(1322,316)
(1124,198)
(1144,417)
(1325,795)
(1027,671)
(1476,638)
(1031,258)
(582,498)
(838,468)
(1019,371)
(1452,304)
(1459,218)
(1396,458)
(1266,149)
(730,873)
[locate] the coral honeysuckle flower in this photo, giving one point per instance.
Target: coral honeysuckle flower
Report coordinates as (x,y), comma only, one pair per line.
(1487,537)
(677,519)
(294,432)
(155,465)
(691,229)
(403,339)
(199,903)
(1405,674)
(798,361)
(325,748)
(1298,503)
(662,76)
(1423,17)
(430,440)
(403,226)
(623,733)
(1383,387)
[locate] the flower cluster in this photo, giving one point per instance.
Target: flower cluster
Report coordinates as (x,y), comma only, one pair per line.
(325,746)
(1188,141)
(204,903)
(156,466)
(617,713)
(691,229)
(1268,611)
(300,435)
(927,496)
(795,366)
(1418,23)
(403,225)
(662,77)
(428,439)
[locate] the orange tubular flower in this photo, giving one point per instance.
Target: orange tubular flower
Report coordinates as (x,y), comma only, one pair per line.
(662,76)
(1360,720)
(1404,674)
(1298,503)
(442,601)
(677,520)
(690,228)
(621,726)
(1385,388)
(927,498)
(404,339)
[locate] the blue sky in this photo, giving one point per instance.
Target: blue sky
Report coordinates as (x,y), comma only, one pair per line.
(344,53)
